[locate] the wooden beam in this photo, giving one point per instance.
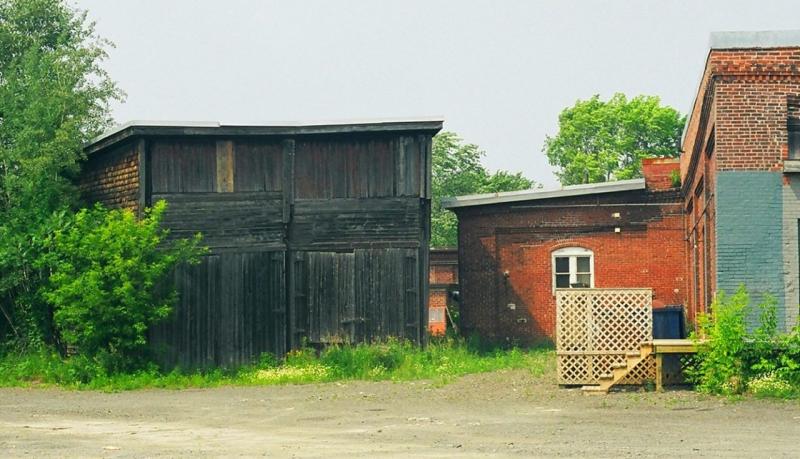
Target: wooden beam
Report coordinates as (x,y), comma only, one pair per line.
(659,372)
(288,179)
(225,166)
(144,179)
(425,165)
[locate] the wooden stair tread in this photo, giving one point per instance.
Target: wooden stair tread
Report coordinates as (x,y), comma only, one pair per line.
(594,390)
(619,371)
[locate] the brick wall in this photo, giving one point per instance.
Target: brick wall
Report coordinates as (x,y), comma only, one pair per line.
(444,274)
(506,256)
(658,172)
(743,225)
(443,281)
(112,178)
(749,219)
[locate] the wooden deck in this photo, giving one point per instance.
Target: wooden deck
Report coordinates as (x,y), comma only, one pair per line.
(669,346)
(674,346)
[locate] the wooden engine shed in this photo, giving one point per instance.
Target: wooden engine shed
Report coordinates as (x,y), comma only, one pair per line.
(317,233)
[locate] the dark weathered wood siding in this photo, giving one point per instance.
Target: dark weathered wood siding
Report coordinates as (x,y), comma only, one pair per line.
(231,309)
(356,296)
(313,238)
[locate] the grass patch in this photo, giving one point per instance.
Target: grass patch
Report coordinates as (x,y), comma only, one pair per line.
(441,361)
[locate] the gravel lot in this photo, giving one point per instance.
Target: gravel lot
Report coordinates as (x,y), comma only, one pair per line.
(507,413)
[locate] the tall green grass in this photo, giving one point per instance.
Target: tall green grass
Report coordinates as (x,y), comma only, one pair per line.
(441,361)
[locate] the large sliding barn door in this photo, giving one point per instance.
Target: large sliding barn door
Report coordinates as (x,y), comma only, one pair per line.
(364,295)
(231,309)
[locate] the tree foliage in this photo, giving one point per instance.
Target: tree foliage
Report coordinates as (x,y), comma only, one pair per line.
(457,171)
(600,141)
(54,96)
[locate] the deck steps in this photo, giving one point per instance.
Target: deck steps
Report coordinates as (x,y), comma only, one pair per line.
(619,371)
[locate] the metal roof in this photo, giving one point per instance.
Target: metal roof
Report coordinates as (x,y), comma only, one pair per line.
(536,194)
(754,40)
(200,128)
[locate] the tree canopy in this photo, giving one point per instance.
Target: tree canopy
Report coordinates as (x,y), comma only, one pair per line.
(457,170)
(600,141)
(54,96)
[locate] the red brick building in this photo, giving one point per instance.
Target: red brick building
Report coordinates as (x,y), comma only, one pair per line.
(739,169)
(443,283)
(515,248)
(735,220)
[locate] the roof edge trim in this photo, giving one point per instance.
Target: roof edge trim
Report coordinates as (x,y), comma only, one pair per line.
(288,128)
(532,195)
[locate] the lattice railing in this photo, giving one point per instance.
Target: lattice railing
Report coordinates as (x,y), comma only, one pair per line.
(595,328)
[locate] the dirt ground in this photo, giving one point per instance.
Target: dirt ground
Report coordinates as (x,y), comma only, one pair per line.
(507,413)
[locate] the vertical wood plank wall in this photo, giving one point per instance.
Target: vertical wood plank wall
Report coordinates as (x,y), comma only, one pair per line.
(318,238)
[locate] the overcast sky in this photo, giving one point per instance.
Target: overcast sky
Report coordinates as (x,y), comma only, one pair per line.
(499,72)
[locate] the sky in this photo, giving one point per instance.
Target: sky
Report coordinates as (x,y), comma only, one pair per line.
(498,72)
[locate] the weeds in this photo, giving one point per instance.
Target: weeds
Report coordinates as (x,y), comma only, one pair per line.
(441,361)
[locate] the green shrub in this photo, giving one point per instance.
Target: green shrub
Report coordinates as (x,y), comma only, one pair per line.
(720,367)
(108,282)
(675,178)
(732,360)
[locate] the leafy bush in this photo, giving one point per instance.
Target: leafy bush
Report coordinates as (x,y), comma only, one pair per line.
(675,178)
(107,283)
(25,319)
(732,360)
(720,365)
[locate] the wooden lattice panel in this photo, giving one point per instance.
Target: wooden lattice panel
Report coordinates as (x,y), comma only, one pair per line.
(644,371)
(596,327)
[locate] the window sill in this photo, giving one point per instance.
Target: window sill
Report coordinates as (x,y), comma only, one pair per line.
(791,166)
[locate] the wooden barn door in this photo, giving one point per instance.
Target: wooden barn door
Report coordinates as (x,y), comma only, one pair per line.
(231,309)
(359,296)
(323,298)
(388,293)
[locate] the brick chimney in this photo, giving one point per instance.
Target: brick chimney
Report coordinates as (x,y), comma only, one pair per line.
(658,172)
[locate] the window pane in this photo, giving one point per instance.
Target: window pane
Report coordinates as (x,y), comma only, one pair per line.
(562,280)
(584,281)
(562,264)
(794,143)
(435,315)
(583,265)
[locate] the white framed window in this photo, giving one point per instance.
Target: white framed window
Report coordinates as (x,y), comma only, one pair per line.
(435,315)
(573,267)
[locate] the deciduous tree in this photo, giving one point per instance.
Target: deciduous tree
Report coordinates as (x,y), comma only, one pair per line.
(457,171)
(54,96)
(600,141)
